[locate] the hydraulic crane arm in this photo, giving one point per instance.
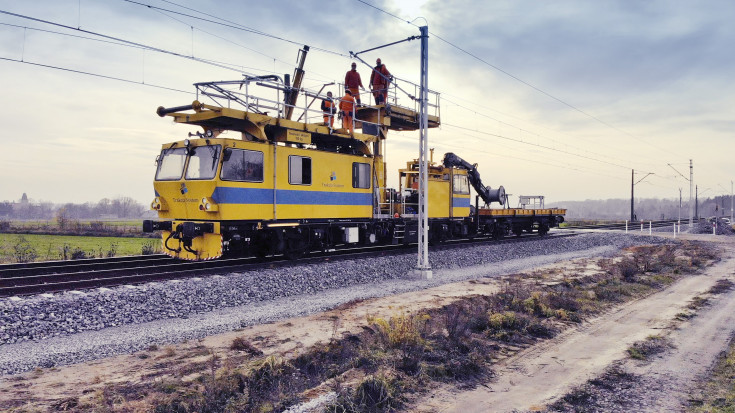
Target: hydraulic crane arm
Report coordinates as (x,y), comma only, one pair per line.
(298,76)
(487,194)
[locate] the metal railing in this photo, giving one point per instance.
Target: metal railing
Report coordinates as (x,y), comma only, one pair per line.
(250,95)
(401,91)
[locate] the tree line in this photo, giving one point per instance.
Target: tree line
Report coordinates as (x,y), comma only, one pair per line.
(644,208)
(120,207)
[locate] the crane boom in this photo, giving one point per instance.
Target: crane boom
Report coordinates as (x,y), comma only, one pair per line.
(487,194)
(298,76)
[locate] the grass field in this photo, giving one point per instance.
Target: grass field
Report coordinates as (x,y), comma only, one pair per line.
(33,247)
(53,224)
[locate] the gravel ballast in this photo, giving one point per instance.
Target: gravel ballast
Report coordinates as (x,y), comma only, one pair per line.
(72,327)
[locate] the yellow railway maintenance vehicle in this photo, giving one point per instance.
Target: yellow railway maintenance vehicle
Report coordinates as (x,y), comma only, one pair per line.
(254,182)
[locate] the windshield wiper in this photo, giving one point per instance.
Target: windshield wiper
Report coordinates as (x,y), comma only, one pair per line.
(214,151)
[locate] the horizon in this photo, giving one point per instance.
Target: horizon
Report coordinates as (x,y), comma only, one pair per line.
(561,99)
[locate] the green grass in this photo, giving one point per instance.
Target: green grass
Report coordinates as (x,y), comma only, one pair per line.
(51,247)
(52,223)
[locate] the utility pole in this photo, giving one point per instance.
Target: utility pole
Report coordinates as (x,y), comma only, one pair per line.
(423,267)
(632,211)
(691,182)
(632,185)
(731,199)
(696,201)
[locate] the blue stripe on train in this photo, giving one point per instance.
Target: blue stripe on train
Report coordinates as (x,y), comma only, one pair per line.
(229,195)
(460,202)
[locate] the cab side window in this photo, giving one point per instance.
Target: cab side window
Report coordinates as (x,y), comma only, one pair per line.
(460,184)
(360,175)
(299,170)
(242,165)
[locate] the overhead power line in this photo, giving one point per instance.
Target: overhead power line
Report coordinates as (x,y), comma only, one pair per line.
(512,76)
(65,69)
(232,25)
(156,49)
(536,145)
(519,128)
(275,59)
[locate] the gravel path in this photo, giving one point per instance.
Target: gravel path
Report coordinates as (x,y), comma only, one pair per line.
(72,327)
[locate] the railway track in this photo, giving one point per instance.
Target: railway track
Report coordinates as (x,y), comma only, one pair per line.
(632,226)
(58,276)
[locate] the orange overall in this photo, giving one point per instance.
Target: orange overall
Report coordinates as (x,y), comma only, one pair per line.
(353,82)
(329,109)
(379,83)
(347,107)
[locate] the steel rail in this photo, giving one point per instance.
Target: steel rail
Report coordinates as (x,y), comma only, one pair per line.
(88,264)
(632,226)
(137,272)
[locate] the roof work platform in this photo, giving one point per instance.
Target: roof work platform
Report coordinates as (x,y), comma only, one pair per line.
(259,106)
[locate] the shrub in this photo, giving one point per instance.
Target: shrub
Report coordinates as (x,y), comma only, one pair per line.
(627,268)
(148,248)
(456,321)
(401,331)
(241,344)
(374,393)
(652,345)
(533,305)
(98,226)
(500,321)
(540,330)
(78,254)
(23,251)
(268,371)
(112,251)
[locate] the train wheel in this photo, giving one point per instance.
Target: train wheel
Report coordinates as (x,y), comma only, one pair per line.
(296,245)
(497,233)
(265,242)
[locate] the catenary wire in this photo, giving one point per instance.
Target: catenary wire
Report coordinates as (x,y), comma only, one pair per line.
(208,61)
(516,78)
(234,26)
(119,40)
(65,69)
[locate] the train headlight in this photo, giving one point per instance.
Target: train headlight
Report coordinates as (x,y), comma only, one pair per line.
(158,204)
(207,205)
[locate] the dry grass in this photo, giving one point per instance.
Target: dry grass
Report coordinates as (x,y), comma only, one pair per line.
(403,354)
(717,395)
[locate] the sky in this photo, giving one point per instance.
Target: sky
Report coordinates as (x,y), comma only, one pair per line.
(562,99)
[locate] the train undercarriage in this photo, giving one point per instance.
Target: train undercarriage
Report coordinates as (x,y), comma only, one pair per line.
(296,238)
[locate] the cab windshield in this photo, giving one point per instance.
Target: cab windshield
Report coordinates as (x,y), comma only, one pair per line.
(202,163)
(171,164)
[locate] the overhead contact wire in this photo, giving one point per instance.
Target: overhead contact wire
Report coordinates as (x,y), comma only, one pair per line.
(232,25)
(609,125)
(120,40)
(96,75)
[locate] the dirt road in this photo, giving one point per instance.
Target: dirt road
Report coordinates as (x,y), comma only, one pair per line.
(541,374)
(529,380)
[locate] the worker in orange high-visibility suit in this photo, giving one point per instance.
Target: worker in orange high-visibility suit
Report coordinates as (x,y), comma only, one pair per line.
(329,110)
(347,110)
(353,82)
(379,82)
